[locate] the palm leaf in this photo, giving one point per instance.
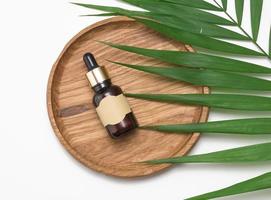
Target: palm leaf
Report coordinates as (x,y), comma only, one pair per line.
(172,21)
(179,11)
(224,3)
(206,77)
(180,20)
(195,4)
(110,9)
(196,60)
(198,27)
(258,183)
(256,12)
(197,39)
(253,126)
(252,153)
(239,8)
(226,101)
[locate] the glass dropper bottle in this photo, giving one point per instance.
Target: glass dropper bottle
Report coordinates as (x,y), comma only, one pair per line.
(111,105)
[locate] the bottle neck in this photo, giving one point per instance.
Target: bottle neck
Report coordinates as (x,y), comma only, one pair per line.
(100,87)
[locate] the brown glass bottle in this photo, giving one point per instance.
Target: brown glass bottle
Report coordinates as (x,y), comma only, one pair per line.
(111,105)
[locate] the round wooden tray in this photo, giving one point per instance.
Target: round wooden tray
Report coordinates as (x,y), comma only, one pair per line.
(73,117)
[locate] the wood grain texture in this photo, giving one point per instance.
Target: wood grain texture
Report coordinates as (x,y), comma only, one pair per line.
(73,117)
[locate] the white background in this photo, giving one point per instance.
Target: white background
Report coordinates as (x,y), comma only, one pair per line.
(33,164)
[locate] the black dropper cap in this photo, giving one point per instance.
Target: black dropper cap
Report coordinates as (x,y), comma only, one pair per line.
(90,61)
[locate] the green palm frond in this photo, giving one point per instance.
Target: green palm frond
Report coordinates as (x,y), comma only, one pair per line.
(196,60)
(191,17)
(224,3)
(252,126)
(195,4)
(239,8)
(203,77)
(258,183)
(226,101)
(256,12)
(191,22)
(179,11)
(175,22)
(252,153)
(198,39)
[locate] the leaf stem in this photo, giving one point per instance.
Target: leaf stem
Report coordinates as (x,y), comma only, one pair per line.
(240,27)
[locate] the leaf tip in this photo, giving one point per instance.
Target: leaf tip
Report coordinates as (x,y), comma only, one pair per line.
(75,3)
(129,95)
(147,127)
(150,162)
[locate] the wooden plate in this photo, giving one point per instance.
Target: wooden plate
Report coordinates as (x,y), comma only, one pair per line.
(73,117)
